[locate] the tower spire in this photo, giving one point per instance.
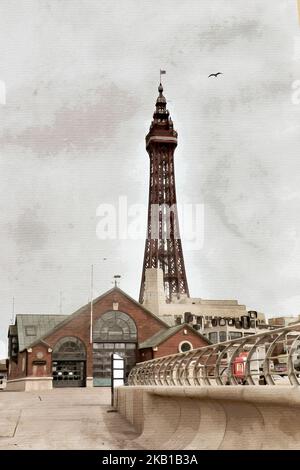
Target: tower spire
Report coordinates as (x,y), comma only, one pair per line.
(163,247)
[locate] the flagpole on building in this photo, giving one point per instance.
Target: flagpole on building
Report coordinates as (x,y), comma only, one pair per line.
(13,311)
(92,289)
(60,301)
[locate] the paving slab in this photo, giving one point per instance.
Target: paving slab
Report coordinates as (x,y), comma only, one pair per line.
(63,419)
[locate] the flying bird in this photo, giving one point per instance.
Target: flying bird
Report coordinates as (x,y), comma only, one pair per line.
(215,74)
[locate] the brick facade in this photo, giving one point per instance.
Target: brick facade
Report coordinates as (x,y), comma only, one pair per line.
(18,369)
(171,345)
(79,326)
(36,360)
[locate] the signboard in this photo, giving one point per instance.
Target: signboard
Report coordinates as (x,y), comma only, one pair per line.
(117,373)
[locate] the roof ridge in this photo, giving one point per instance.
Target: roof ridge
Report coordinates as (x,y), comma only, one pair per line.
(96,300)
(171,331)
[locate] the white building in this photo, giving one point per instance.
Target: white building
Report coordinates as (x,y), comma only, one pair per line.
(218,320)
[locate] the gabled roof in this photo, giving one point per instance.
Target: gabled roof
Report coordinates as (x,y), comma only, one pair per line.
(162,336)
(31,327)
(68,318)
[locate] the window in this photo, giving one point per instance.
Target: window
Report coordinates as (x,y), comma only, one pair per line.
(222,336)
(185,346)
(235,334)
(30,330)
(213,337)
(115,327)
(13,347)
(70,348)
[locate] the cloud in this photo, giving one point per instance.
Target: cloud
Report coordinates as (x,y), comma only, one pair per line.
(29,231)
(86,121)
(221,33)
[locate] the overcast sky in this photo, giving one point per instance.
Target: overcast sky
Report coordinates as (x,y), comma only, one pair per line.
(81,83)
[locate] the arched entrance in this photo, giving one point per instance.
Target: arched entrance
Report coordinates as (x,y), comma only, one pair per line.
(114,332)
(69,363)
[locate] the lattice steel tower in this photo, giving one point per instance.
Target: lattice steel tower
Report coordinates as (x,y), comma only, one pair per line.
(163,247)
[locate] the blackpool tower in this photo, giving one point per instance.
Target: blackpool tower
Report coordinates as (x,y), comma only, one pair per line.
(163,248)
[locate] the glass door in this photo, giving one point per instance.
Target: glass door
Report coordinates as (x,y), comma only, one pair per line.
(102,360)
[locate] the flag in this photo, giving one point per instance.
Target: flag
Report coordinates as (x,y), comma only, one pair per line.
(162,71)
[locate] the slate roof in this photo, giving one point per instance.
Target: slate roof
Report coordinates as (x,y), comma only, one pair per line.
(162,336)
(33,326)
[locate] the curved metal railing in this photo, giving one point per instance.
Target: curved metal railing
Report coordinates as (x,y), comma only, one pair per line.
(268,358)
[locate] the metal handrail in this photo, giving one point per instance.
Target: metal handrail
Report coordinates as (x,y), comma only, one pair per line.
(267,358)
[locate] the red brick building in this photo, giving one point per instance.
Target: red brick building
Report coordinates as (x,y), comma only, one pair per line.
(48,351)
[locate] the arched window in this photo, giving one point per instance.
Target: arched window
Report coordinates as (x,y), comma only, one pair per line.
(69,348)
(114,326)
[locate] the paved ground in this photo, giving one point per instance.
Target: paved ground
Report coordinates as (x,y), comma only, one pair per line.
(62,419)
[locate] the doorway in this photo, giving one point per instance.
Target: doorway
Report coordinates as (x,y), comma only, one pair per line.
(69,363)
(114,332)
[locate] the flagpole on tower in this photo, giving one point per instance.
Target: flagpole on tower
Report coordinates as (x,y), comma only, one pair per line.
(161,72)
